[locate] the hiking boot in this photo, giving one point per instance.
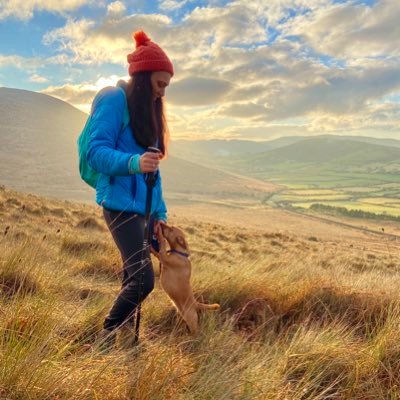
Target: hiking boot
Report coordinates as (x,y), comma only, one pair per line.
(127,337)
(106,340)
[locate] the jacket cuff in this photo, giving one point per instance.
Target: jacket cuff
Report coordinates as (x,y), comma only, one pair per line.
(134,164)
(161,216)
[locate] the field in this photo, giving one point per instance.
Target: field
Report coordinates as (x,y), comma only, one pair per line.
(303,181)
(379,198)
(309,310)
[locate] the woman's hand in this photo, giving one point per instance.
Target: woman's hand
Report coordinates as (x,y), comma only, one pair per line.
(157,227)
(149,162)
(160,239)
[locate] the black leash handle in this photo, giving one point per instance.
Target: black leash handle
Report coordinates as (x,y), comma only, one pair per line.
(150,179)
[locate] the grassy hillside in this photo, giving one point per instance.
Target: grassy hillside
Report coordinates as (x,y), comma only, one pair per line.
(219,152)
(300,318)
(185,181)
(38,150)
(326,162)
(338,154)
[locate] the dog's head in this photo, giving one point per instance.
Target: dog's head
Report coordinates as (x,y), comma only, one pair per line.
(175,237)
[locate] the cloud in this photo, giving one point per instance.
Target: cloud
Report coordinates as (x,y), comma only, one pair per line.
(16,61)
(382,118)
(192,40)
(230,25)
(350,30)
(109,40)
(243,110)
(340,92)
(81,95)
(24,9)
(38,79)
(117,8)
(32,64)
(198,91)
(173,4)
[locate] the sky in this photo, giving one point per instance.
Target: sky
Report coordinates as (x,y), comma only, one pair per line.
(254,70)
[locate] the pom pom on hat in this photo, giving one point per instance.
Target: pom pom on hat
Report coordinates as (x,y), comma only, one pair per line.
(148,56)
(141,38)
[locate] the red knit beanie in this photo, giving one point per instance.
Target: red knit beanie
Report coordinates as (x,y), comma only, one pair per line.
(148,56)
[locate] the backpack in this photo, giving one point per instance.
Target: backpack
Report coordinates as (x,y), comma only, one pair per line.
(87,173)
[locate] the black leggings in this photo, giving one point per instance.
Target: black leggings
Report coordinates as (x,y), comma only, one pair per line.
(127,229)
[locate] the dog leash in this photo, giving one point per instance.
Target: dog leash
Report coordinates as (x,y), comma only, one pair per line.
(150,179)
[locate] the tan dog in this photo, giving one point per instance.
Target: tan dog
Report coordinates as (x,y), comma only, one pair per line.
(175,275)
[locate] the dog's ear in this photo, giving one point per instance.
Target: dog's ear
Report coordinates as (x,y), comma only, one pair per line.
(182,242)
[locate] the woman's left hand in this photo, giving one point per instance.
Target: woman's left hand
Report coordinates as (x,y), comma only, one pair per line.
(157,226)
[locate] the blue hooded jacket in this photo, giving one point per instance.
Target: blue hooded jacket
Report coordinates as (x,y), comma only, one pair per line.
(110,152)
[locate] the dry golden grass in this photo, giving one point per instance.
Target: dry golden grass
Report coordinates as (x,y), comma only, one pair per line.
(301,317)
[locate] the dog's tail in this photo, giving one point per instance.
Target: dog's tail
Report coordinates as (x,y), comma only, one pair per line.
(203,306)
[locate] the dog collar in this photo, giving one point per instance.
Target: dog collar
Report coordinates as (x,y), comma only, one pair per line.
(179,252)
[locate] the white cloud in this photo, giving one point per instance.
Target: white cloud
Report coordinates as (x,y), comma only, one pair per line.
(228,26)
(81,95)
(117,8)
(173,4)
(38,79)
(351,30)
(24,9)
(26,63)
(107,41)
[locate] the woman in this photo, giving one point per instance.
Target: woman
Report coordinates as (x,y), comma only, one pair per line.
(126,120)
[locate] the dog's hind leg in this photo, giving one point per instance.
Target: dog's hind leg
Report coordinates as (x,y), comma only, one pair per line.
(191,318)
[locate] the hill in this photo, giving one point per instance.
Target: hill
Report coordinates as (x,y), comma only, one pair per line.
(337,152)
(218,152)
(38,152)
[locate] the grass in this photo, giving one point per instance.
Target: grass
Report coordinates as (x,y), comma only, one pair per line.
(299,319)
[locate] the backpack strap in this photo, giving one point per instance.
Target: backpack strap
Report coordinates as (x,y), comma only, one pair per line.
(126,119)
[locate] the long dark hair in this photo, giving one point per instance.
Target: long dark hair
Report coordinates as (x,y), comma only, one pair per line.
(147,116)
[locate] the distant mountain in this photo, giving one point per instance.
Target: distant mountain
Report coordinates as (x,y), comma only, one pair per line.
(337,153)
(381,142)
(364,139)
(217,152)
(38,154)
